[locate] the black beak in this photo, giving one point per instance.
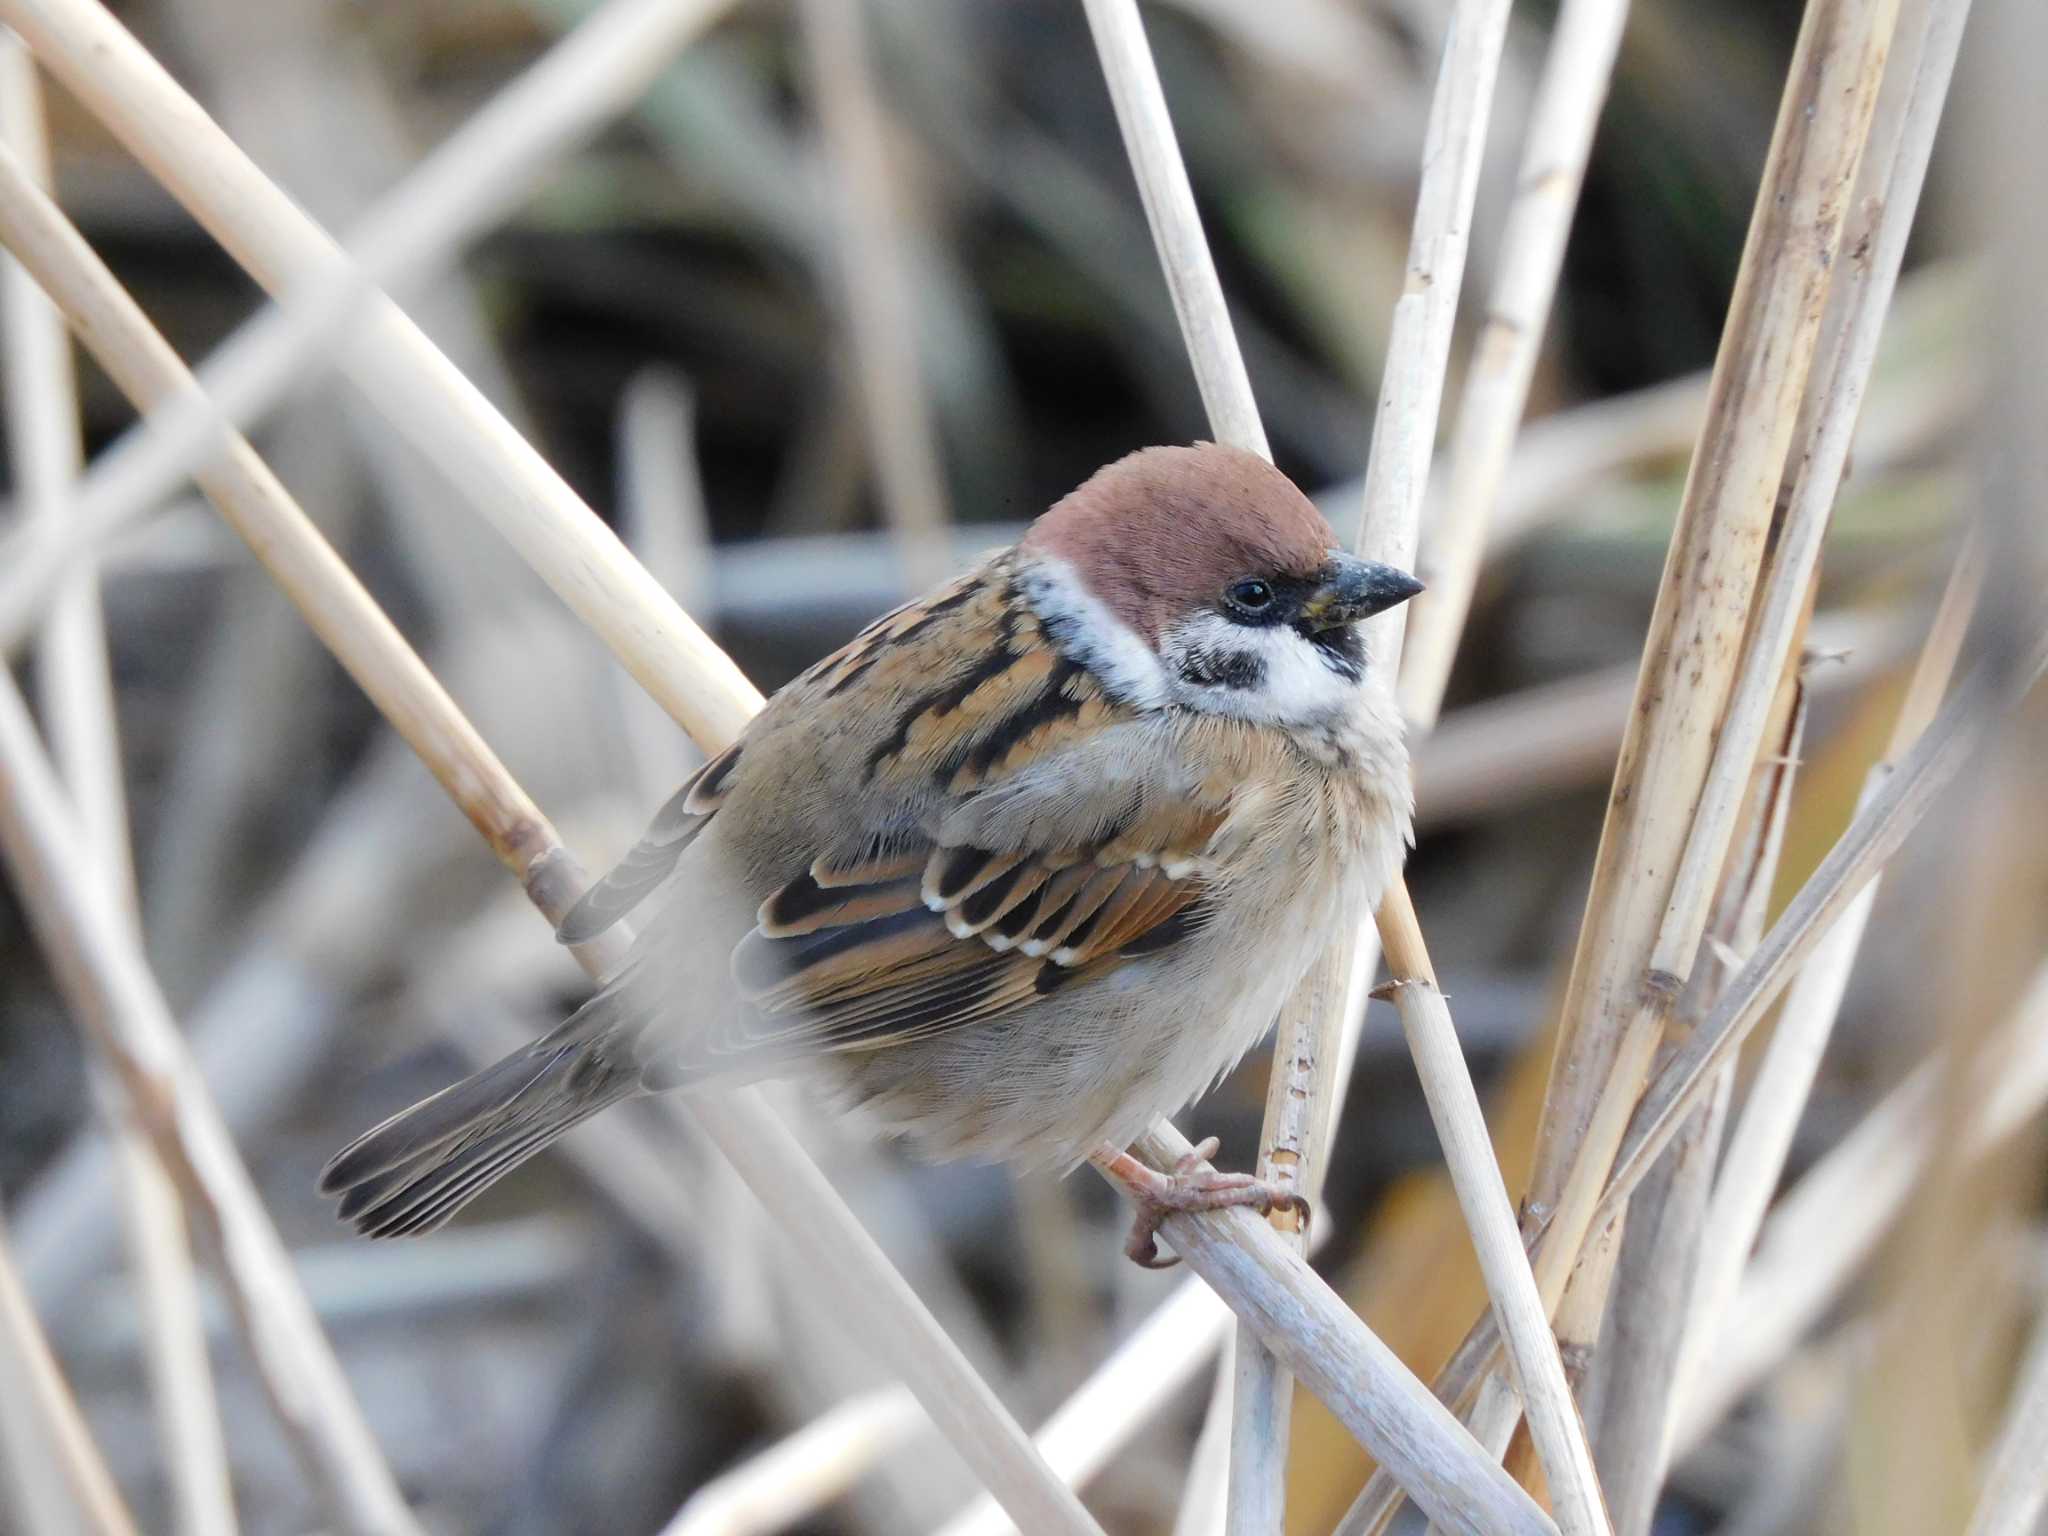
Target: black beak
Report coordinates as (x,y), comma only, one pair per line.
(1355,589)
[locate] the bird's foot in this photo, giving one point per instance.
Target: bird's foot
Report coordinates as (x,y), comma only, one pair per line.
(1191,1186)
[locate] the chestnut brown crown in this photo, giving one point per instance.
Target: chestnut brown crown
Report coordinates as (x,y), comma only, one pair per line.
(1162,531)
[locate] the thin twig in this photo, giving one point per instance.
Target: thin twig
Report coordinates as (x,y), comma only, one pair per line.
(1169,201)
(590,76)
(77,696)
(1419,343)
(1534,1363)
(400,684)
(1569,97)
(873,278)
(55,1471)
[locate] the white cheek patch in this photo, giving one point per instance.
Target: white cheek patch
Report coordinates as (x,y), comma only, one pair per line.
(1086,631)
(1270,674)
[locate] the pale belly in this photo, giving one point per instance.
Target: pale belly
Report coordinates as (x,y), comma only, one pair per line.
(1049,1084)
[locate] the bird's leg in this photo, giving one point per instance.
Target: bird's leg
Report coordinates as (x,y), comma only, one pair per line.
(1192,1186)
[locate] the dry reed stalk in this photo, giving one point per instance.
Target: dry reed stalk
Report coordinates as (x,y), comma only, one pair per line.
(1643,914)
(1169,200)
(48,1459)
(1876,833)
(584,80)
(2016,1481)
(1661,1244)
(1488,758)
(1534,1363)
(1577,67)
(1681,775)
(1758,1146)
(1706,683)
(873,277)
(102,974)
(1205,1490)
(1411,395)
(77,696)
(259,508)
(1331,1352)
(363,638)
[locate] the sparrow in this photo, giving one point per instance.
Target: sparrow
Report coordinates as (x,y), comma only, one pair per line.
(1031,861)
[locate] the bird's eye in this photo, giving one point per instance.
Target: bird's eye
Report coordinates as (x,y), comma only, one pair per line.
(1250,596)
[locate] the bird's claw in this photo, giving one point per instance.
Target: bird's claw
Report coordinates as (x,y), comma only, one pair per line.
(1192,1186)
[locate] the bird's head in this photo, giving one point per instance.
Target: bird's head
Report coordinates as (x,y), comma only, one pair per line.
(1201,577)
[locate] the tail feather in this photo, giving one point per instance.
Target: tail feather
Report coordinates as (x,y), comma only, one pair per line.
(412,1172)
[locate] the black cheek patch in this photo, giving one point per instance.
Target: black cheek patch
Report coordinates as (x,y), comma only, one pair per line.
(1341,649)
(1224,669)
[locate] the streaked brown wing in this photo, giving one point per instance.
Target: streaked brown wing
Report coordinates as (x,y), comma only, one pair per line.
(846,964)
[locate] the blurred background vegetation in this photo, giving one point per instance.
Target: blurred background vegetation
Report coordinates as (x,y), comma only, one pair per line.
(665,319)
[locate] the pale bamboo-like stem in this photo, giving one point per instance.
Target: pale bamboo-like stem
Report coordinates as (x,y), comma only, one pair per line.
(76,687)
(1487,758)
(1169,200)
(1880,827)
(1844,374)
(103,976)
(1524,1322)
(1322,1342)
(2016,1482)
(1331,1352)
(1863,849)
(1576,70)
(1411,395)
(406,692)
(1683,766)
(1660,1251)
(259,508)
(1761,1140)
(592,74)
(1653,1279)
(874,284)
(1902,143)
(1829,1224)
(47,1455)
(1638,913)
(803,1471)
